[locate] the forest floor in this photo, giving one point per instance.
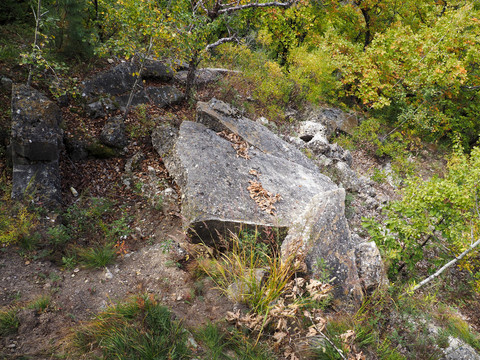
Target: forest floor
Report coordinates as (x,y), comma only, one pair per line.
(154,258)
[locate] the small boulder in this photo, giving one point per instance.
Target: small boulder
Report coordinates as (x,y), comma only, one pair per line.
(113,133)
(370,266)
(334,119)
(6,84)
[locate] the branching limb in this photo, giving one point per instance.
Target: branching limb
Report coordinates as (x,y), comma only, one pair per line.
(220,41)
(256,5)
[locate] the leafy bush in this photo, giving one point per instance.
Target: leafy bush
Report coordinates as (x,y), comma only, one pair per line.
(440,214)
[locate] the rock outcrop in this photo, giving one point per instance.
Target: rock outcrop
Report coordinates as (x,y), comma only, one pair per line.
(110,89)
(234,173)
(35,145)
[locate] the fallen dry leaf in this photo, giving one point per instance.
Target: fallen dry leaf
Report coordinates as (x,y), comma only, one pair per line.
(262,197)
(240,146)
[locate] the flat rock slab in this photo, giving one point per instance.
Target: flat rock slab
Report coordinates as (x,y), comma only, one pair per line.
(215,181)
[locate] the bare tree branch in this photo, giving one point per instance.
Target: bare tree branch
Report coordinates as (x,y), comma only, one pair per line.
(219,42)
(446,266)
(256,5)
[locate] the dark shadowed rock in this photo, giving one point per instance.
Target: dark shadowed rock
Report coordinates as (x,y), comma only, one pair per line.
(139,97)
(76,148)
(157,70)
(39,182)
(35,144)
(322,236)
(115,81)
(113,133)
(6,84)
(165,95)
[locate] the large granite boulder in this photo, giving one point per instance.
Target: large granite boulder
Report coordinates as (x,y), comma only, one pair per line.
(215,182)
(35,145)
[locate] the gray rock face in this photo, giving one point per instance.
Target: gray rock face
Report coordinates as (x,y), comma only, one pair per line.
(35,144)
(219,116)
(370,266)
(116,81)
(155,69)
(459,350)
(321,234)
(202,76)
(334,119)
(111,89)
(113,133)
(165,95)
(163,139)
(222,159)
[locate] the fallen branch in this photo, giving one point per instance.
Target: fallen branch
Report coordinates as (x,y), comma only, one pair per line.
(446,266)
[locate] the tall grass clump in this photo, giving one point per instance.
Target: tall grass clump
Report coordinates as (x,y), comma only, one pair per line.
(137,329)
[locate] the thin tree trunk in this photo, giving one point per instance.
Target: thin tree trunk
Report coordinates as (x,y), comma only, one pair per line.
(139,76)
(192,68)
(34,50)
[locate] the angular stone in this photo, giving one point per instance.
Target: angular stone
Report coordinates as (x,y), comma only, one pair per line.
(165,95)
(214,181)
(334,119)
(40,182)
(35,144)
(163,139)
(370,266)
(321,235)
(113,133)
